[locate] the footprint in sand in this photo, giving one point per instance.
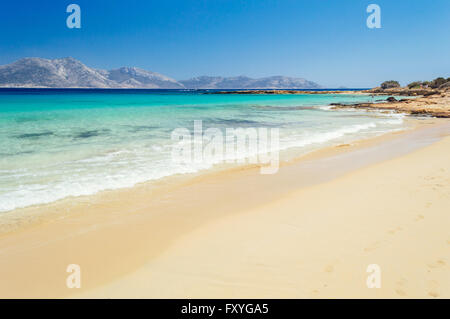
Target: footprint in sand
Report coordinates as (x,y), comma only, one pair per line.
(400,292)
(402,282)
(419,217)
(329,268)
(393,231)
(437,264)
(373,246)
(440,262)
(433,289)
(434,294)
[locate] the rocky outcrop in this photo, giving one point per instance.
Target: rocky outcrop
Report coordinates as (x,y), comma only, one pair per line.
(434,103)
(263,92)
(401,91)
(445,85)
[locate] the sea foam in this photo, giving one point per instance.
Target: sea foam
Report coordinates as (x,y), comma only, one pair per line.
(109,141)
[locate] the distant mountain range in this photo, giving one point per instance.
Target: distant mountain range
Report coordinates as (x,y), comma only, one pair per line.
(71,73)
(244,82)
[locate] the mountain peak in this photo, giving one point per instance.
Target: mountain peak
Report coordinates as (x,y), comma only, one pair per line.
(69,59)
(245,82)
(69,72)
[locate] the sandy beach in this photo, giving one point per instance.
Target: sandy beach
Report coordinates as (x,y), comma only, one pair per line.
(309,231)
(215,158)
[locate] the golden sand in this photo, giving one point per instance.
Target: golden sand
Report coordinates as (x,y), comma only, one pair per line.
(310,230)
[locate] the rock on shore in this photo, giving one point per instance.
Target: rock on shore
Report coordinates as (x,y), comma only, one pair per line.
(431,102)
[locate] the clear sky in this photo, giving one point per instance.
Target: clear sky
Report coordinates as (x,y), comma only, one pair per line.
(326,41)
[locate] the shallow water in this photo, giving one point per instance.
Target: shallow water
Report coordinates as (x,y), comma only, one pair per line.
(60,143)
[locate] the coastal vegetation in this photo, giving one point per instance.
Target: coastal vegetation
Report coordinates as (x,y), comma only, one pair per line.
(390,84)
(437,83)
(432,98)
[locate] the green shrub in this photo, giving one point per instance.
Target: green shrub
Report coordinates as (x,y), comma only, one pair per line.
(390,84)
(415,85)
(437,82)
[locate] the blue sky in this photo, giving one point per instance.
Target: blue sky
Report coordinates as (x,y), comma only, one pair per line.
(326,41)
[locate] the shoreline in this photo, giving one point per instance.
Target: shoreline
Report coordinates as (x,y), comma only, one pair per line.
(97,230)
(301,246)
(24,216)
(287,155)
(25,189)
(425,102)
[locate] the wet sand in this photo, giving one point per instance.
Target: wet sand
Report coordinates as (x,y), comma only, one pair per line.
(308,231)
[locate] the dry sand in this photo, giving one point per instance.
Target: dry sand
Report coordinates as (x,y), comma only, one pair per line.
(309,231)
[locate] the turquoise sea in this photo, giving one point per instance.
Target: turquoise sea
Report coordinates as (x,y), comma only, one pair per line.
(60,143)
